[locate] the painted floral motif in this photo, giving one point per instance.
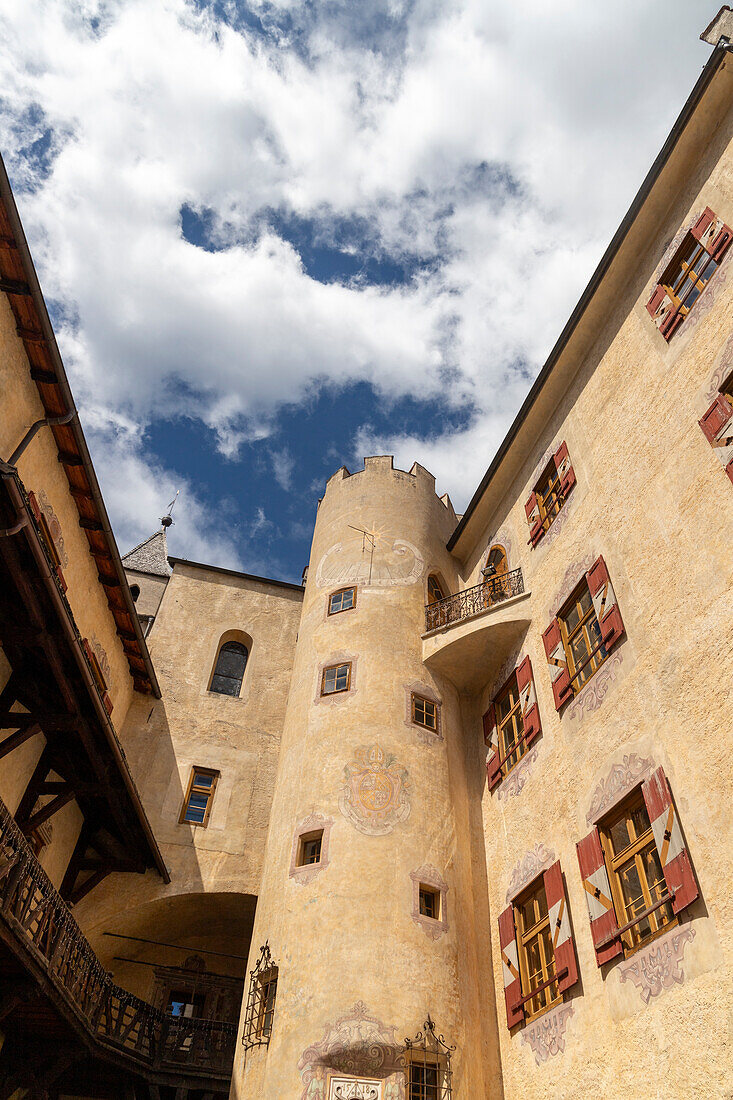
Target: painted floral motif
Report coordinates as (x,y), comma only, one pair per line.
(546,1036)
(622,778)
(594,692)
(532,864)
(721,372)
(357,1045)
(375,797)
(54,527)
(573,576)
(514,782)
(659,966)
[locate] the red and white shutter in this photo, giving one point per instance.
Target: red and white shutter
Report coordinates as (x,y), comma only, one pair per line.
(558,664)
(717,424)
(510,967)
(562,936)
(598,896)
(605,603)
(37,515)
(704,228)
(663,312)
(658,296)
(712,233)
(491,740)
(536,530)
(673,854)
(528,701)
(565,471)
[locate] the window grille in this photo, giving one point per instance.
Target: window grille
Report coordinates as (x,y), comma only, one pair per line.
(260,1001)
(427,1065)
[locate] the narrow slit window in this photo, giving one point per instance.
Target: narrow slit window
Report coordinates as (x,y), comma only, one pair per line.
(309,848)
(635,873)
(343,600)
(229,669)
(335,679)
(199,797)
(536,954)
(581,636)
(425,712)
(429,902)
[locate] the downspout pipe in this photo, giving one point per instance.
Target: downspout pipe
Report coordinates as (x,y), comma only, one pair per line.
(47,421)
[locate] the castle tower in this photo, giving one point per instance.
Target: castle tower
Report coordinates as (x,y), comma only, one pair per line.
(371,782)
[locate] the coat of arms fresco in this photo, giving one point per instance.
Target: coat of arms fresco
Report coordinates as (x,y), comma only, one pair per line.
(375,797)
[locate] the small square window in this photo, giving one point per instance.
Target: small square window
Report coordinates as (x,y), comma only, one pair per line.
(199,797)
(429,902)
(343,600)
(425,712)
(335,678)
(309,848)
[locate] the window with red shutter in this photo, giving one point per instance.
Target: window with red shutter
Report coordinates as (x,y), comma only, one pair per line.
(546,966)
(605,604)
(636,871)
(511,723)
(717,426)
(689,272)
(549,494)
(558,664)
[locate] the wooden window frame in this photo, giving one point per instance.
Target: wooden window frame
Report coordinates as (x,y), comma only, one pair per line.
(307,838)
(614,864)
(415,1090)
(266,1009)
(337,691)
(681,267)
(514,717)
(436,581)
(425,890)
(552,491)
(340,592)
(525,937)
(415,697)
(209,792)
(568,636)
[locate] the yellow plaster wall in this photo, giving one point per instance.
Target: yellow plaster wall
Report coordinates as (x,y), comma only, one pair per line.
(651,497)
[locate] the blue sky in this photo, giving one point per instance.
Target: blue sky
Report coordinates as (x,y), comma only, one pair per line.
(279,235)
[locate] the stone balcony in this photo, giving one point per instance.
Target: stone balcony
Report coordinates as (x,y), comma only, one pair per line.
(468,635)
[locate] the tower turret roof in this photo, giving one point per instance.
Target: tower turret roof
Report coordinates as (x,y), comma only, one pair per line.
(150,556)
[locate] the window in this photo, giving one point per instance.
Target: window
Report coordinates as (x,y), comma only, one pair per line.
(636,875)
(135,592)
(511,723)
(423,1081)
(185,1004)
(537,950)
(496,562)
(427,1061)
(435,589)
(549,494)
(260,1010)
(309,848)
(336,678)
(343,600)
(536,955)
(425,712)
(229,669)
(581,636)
(636,871)
(717,425)
(199,797)
(689,272)
(429,902)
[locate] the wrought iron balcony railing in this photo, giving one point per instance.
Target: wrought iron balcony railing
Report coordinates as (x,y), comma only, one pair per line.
(41,922)
(471,601)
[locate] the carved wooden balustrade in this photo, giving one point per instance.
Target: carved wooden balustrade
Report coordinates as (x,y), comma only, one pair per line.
(471,601)
(38,918)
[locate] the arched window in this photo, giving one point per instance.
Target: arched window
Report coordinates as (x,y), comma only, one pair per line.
(496,563)
(229,669)
(135,592)
(435,589)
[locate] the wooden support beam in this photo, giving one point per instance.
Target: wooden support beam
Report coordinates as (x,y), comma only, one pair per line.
(49,810)
(126,635)
(30,335)
(15,740)
(108,582)
(14,286)
(47,376)
(80,494)
(12,720)
(87,886)
(90,524)
(69,459)
(30,795)
(9,693)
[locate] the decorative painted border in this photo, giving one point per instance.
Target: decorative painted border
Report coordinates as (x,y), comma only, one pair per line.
(659,965)
(546,1035)
(370,765)
(429,737)
(306,873)
(590,697)
(356,1044)
(338,658)
(513,783)
(722,369)
(430,876)
(54,527)
(532,864)
(620,780)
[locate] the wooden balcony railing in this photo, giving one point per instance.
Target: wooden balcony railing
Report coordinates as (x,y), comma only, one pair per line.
(39,919)
(471,601)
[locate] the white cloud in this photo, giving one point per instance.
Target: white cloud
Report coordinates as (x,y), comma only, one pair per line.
(153,104)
